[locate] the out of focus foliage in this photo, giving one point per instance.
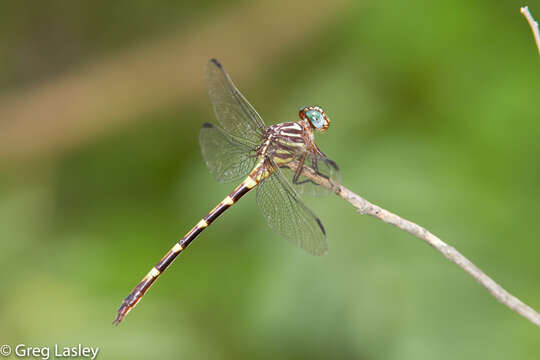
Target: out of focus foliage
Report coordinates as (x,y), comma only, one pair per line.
(435,116)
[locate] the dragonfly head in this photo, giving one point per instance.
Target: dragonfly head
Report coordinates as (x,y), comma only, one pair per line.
(316,117)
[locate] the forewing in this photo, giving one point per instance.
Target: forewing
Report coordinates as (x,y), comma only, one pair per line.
(227,159)
(234,113)
(285,213)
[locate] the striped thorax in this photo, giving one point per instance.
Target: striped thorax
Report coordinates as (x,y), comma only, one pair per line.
(283,141)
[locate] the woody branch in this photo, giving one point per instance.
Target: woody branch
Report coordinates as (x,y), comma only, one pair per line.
(365,207)
(533,24)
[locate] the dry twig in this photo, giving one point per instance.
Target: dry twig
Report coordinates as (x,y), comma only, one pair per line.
(533,24)
(365,207)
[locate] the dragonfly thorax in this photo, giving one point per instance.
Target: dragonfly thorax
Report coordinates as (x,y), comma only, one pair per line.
(282,142)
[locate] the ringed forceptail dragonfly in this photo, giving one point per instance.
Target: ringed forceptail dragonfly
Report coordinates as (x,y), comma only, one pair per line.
(245,148)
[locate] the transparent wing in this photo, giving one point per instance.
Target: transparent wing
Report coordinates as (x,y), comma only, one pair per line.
(233,112)
(285,213)
(319,163)
(227,159)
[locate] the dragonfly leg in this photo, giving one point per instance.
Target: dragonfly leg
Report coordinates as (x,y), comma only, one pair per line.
(316,168)
(327,160)
(299,169)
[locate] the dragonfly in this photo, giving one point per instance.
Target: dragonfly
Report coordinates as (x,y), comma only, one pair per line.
(245,148)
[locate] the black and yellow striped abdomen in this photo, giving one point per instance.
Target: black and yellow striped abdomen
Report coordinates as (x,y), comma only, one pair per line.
(256,175)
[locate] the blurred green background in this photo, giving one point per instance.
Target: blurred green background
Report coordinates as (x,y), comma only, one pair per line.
(434,110)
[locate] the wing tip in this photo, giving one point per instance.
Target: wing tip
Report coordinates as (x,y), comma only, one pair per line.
(323,251)
(216,62)
(321,226)
(332,163)
(207,125)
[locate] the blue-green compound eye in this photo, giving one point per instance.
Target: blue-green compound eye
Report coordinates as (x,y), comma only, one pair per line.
(316,118)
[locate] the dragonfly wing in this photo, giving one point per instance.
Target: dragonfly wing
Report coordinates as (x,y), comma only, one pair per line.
(324,166)
(286,213)
(226,158)
(234,113)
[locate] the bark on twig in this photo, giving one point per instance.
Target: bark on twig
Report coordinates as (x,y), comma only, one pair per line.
(365,207)
(533,24)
